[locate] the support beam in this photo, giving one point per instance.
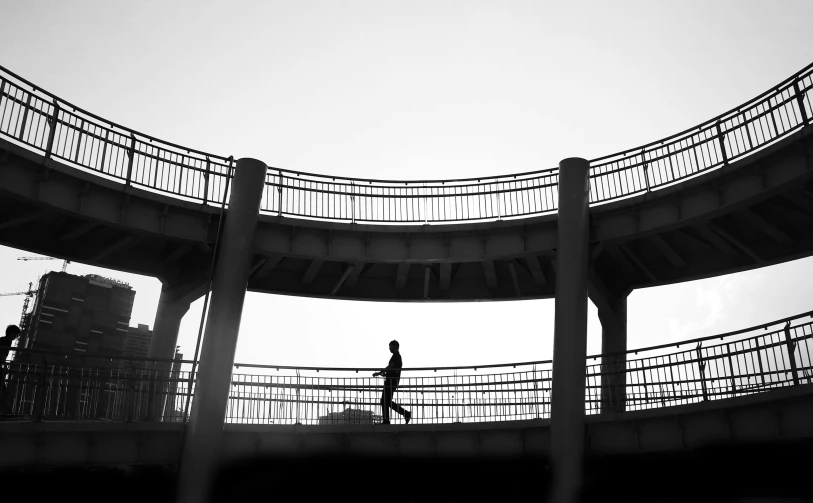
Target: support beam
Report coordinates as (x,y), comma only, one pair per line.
(342,279)
(78,231)
(312,272)
(427,269)
(401,276)
(570,332)
(121,244)
(181,250)
(491,277)
(739,244)
(514,279)
(21,220)
(445,276)
(351,280)
(667,251)
(265,267)
(621,260)
(637,261)
(766,227)
(800,200)
(202,447)
(536,271)
(715,240)
(612,312)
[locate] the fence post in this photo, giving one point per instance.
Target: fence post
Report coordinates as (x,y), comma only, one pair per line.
(731,370)
(791,345)
(800,100)
(131,155)
(352,202)
(279,194)
(721,139)
(38,408)
(25,118)
(206,181)
(702,366)
(646,169)
(52,122)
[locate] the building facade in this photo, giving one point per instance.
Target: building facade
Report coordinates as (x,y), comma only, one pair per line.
(74,316)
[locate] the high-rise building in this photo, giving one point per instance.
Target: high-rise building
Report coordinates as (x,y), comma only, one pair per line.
(350,416)
(80,314)
(75,316)
(137,343)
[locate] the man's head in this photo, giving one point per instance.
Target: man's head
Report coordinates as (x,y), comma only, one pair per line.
(394,346)
(12,331)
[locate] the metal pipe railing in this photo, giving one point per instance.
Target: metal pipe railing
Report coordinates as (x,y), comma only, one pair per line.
(47,385)
(41,122)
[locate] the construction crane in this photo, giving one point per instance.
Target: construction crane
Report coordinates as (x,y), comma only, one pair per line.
(30,293)
(64,263)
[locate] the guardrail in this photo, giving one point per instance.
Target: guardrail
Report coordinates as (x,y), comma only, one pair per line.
(48,125)
(48,385)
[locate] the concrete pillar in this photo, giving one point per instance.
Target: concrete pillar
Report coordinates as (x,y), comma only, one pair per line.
(613,366)
(205,429)
(570,332)
(173,304)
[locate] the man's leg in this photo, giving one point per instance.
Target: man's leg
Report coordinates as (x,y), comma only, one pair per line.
(386,400)
(397,408)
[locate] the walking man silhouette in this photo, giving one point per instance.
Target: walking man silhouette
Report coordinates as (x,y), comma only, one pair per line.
(392,375)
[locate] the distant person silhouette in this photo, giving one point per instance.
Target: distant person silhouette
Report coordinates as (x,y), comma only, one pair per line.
(12,332)
(393,375)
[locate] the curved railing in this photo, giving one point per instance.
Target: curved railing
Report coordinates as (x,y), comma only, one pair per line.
(41,122)
(52,385)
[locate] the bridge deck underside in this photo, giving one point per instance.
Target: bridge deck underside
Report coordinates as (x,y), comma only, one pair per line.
(756,212)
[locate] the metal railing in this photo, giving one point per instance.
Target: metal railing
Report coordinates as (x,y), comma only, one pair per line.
(49,385)
(43,123)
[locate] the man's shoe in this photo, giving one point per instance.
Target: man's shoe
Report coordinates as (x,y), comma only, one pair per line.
(408,416)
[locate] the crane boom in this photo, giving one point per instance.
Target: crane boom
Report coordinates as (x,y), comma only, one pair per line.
(64,263)
(15,293)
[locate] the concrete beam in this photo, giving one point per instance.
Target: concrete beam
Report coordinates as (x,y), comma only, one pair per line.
(179,251)
(426,272)
(445,276)
(800,200)
(21,220)
(353,278)
(739,244)
(122,244)
(639,263)
(265,267)
(716,240)
(341,281)
(536,271)
(666,249)
(514,279)
(401,276)
(78,231)
(491,277)
(766,227)
(312,272)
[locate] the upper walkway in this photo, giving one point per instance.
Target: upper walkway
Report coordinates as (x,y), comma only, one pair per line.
(730,194)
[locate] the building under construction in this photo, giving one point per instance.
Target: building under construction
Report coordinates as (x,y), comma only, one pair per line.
(74,316)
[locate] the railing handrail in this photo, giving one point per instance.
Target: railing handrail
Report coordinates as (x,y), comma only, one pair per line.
(714,120)
(635,150)
(75,108)
(707,337)
(426,369)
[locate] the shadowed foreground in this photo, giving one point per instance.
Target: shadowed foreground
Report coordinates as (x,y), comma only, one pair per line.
(778,471)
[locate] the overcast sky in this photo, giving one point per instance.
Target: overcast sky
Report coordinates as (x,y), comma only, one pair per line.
(411,90)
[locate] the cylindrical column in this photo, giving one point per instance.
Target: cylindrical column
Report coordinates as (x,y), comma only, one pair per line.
(205,428)
(614,365)
(167,324)
(570,332)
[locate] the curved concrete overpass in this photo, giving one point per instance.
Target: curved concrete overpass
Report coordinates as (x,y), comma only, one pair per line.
(732,194)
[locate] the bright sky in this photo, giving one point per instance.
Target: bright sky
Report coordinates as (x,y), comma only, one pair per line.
(410,90)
